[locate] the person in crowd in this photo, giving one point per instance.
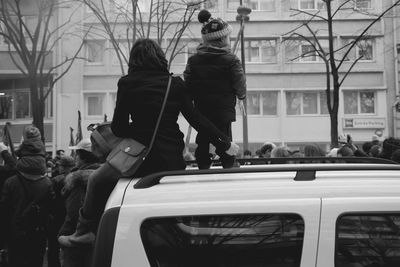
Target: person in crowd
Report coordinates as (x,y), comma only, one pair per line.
(215,78)
(266,149)
(257,154)
(313,150)
(140,95)
(345,151)
(389,145)
(366,147)
(65,166)
(375,140)
(25,203)
(247,154)
(280,152)
(375,151)
(74,194)
(59,153)
(333,153)
(8,168)
(396,156)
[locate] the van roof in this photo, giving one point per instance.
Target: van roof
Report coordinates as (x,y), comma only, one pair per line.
(268,182)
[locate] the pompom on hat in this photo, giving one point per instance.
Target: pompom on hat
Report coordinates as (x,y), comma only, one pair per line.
(213,28)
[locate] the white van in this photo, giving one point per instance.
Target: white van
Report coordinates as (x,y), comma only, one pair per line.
(289,215)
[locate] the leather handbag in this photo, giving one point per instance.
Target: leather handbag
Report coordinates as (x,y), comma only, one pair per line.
(129,154)
(103,140)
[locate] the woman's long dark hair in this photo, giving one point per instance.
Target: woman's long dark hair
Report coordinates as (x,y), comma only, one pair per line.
(146,54)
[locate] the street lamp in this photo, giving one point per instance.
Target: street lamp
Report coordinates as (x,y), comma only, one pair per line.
(243,16)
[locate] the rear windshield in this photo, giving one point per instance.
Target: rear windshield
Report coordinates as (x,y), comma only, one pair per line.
(368,240)
(224,240)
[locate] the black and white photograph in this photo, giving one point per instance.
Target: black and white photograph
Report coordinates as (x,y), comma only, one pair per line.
(200,133)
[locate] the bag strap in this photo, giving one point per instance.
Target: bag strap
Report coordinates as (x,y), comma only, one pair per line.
(159,116)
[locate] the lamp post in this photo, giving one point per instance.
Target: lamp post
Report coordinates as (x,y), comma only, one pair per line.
(243,16)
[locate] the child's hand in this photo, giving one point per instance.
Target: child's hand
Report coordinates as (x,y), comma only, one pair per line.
(233,149)
(241,106)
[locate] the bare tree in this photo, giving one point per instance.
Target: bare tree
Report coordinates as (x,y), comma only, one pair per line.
(32,32)
(334,57)
(123,21)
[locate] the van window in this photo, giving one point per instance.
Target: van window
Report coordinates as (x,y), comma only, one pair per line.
(368,240)
(224,240)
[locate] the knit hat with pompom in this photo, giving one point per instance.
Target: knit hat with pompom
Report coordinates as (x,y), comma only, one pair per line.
(213,28)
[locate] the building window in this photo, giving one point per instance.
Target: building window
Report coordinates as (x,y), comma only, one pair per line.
(359,102)
(224,240)
(16,104)
(363,50)
(306,103)
(255,5)
(95,50)
(303,51)
(210,5)
(22,105)
(311,4)
(6,105)
(94,103)
(363,4)
(258,51)
(262,103)
(370,239)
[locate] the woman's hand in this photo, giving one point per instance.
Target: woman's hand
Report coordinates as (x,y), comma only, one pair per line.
(233,149)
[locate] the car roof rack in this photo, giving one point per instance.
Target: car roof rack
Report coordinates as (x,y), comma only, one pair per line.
(263,161)
(304,172)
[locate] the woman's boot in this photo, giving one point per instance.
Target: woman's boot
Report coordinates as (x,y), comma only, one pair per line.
(83,235)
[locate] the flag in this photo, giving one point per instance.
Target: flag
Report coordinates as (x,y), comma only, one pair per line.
(71,140)
(79,136)
(7,139)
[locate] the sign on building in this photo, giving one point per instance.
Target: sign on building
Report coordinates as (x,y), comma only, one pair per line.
(364,123)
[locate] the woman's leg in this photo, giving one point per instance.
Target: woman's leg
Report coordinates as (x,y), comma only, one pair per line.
(100,185)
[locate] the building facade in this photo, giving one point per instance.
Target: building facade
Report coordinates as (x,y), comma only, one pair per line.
(286,81)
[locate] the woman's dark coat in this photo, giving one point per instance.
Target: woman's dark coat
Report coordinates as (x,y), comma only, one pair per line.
(139,99)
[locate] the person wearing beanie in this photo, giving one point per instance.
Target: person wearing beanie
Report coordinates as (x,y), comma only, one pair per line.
(215,79)
(26,235)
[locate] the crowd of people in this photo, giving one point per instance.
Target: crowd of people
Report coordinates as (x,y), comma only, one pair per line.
(41,197)
(388,149)
(40,200)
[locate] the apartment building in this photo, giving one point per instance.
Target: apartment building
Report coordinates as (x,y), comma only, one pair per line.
(286,100)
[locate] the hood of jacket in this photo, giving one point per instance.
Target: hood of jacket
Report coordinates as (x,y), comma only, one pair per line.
(209,50)
(30,147)
(32,157)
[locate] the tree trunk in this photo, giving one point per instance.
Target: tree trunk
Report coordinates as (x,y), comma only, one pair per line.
(335,78)
(37,107)
(334,130)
